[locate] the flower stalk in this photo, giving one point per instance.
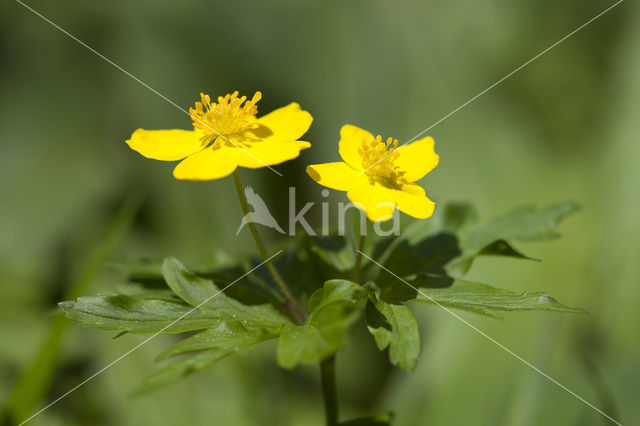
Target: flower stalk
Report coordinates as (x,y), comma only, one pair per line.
(328,365)
(355,276)
(329,390)
(292,306)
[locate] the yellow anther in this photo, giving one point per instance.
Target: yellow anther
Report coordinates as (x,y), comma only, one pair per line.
(378,157)
(226,117)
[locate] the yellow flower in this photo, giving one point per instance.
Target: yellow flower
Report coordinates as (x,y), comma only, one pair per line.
(226,135)
(378,176)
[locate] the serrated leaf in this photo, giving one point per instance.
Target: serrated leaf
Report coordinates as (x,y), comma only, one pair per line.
(502,248)
(335,307)
(302,344)
(210,346)
(450,219)
(422,264)
(523,224)
(461,265)
(487,300)
(395,327)
(204,294)
(333,291)
(136,314)
(428,256)
(230,335)
(182,368)
(494,238)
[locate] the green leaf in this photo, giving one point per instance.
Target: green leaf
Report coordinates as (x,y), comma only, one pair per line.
(334,308)
(428,256)
(394,326)
(502,248)
(487,300)
(302,344)
(210,346)
(204,294)
(137,313)
(224,335)
(333,255)
(453,217)
(182,368)
(421,264)
(379,420)
(298,270)
(523,224)
(456,216)
(334,291)
(495,237)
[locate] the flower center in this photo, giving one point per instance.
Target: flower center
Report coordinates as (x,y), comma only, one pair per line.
(378,157)
(226,117)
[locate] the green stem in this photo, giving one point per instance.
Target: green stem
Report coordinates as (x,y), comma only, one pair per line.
(329,390)
(328,366)
(356,269)
(293,308)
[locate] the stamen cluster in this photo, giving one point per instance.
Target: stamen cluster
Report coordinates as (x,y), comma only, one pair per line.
(226,117)
(378,157)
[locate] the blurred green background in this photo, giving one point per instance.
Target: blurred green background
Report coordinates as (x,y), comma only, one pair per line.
(566,126)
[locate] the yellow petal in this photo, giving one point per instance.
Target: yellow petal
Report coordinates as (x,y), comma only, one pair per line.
(412,201)
(416,159)
(372,198)
(283,124)
(266,152)
(338,175)
(208,164)
(165,145)
(351,138)
(379,201)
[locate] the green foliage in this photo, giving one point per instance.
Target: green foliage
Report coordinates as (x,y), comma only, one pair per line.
(208,298)
(182,368)
(332,255)
(137,313)
(427,262)
(522,224)
(486,300)
(425,265)
(395,327)
(210,346)
(227,335)
(334,308)
(496,236)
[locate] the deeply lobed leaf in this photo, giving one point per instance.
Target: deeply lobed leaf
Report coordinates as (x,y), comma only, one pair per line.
(395,327)
(487,300)
(207,297)
(137,314)
(523,224)
(334,308)
(228,335)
